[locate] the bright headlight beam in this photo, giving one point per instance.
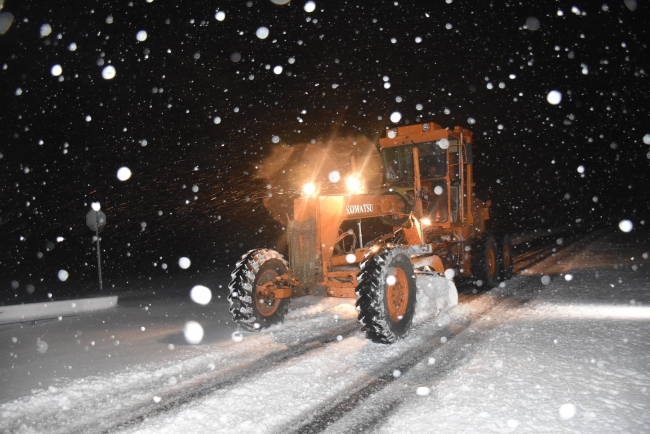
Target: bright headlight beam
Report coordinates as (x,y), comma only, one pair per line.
(309,189)
(353,184)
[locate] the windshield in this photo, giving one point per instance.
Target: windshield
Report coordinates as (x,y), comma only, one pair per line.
(398,162)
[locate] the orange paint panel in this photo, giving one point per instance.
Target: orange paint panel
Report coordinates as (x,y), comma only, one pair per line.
(282,292)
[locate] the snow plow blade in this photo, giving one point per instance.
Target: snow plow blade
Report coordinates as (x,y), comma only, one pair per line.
(434,293)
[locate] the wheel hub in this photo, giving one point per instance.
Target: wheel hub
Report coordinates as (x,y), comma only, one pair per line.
(397,295)
(264,297)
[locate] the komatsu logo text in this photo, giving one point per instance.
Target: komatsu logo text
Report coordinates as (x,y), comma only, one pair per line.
(358,209)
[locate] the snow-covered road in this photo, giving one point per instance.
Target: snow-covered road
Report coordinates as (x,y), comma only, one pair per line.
(562,347)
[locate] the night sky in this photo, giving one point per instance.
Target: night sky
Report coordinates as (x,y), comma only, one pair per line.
(196,188)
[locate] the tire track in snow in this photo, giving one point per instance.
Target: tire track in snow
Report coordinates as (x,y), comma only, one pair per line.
(342,413)
(175,399)
(341,407)
(337,408)
(530,259)
(378,405)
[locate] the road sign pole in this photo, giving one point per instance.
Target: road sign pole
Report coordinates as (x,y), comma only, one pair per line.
(96,220)
(99,255)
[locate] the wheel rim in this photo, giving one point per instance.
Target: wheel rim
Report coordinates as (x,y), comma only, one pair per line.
(397,296)
(262,303)
(492,262)
(506,256)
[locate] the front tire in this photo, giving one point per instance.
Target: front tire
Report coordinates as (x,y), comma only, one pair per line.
(485,262)
(248,308)
(386,294)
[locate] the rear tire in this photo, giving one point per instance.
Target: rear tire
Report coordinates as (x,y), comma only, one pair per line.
(485,262)
(247,307)
(506,258)
(386,294)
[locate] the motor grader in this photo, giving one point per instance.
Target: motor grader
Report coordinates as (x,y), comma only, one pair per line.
(434,226)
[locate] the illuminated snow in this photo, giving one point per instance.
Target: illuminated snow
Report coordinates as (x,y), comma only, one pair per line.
(625,225)
(141,36)
(56,70)
(220,15)
(554,97)
(443,143)
(395,117)
(532,23)
(277,70)
(310,7)
(184,263)
(109,72)
(334,176)
(262,32)
(646,139)
(567,411)
(390,280)
(193,332)
(41,347)
(63,275)
(201,295)
(217,120)
(46,30)
(124,173)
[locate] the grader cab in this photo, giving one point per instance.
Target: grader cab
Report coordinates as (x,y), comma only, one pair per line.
(435,227)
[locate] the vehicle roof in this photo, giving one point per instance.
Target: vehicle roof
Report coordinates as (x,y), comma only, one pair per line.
(421,133)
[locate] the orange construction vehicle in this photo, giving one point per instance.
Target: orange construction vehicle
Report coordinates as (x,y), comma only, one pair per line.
(435,227)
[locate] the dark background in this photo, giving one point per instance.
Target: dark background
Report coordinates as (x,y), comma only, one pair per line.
(169,88)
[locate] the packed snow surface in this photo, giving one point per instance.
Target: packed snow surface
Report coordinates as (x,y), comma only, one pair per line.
(571,355)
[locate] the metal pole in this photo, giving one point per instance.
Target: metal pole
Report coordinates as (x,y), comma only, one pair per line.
(360,235)
(99,255)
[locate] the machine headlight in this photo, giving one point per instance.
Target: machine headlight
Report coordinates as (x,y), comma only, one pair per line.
(353,183)
(309,188)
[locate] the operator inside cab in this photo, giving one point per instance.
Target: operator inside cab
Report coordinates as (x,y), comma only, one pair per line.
(433,170)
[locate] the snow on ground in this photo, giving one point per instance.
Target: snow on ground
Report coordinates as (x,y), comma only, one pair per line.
(572,356)
(167,370)
(568,356)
